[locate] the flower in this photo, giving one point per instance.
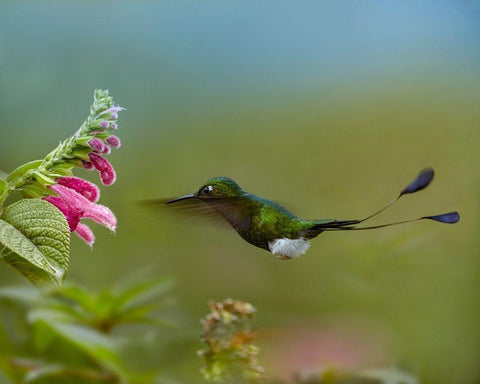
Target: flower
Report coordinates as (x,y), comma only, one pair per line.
(87,165)
(107,173)
(97,145)
(113,141)
(76,199)
(113,111)
(84,187)
(85,233)
(51,178)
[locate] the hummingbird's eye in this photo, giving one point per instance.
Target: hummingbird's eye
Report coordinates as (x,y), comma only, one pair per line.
(206,190)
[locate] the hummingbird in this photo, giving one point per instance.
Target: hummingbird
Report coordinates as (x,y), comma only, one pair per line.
(267,225)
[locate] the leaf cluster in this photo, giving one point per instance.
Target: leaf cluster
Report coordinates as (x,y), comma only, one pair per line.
(67,336)
(35,240)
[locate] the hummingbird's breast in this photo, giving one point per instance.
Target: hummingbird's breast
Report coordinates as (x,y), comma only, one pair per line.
(259,221)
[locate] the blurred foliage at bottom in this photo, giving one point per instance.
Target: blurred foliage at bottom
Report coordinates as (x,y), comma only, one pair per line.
(69,336)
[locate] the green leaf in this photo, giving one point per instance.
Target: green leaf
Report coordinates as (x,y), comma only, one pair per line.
(140,293)
(3,187)
(25,295)
(79,295)
(37,239)
(4,190)
(20,171)
(86,340)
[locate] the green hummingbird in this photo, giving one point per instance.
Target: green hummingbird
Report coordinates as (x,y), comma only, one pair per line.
(267,225)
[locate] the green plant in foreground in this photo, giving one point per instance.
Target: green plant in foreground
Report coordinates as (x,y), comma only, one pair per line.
(67,335)
(35,231)
(230,354)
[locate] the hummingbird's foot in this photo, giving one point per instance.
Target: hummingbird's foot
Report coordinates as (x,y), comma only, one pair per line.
(283,257)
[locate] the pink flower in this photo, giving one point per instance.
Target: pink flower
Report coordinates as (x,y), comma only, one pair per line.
(84,187)
(97,145)
(76,200)
(107,173)
(113,111)
(113,141)
(85,233)
(72,215)
(87,165)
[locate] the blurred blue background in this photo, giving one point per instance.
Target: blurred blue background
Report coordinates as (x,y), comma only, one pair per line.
(327,107)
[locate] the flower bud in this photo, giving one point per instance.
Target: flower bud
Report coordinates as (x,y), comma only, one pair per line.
(113,141)
(107,173)
(97,145)
(87,165)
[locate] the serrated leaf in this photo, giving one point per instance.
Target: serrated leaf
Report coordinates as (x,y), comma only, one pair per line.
(23,255)
(38,237)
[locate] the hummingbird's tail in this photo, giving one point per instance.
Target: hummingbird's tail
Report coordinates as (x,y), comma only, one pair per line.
(420,182)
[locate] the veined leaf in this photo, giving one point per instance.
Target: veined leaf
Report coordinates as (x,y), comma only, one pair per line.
(37,239)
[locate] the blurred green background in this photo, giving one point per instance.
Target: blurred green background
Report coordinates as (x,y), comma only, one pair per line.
(329,108)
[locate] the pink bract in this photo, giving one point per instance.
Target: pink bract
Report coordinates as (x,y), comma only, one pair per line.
(84,187)
(97,145)
(114,141)
(107,173)
(85,233)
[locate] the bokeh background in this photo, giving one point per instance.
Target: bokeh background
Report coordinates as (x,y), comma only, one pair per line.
(329,108)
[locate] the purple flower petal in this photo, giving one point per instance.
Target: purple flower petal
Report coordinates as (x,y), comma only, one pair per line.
(104,124)
(114,141)
(86,234)
(107,173)
(112,110)
(84,187)
(97,145)
(87,165)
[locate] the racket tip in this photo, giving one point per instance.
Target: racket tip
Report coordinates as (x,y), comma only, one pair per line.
(422,181)
(447,218)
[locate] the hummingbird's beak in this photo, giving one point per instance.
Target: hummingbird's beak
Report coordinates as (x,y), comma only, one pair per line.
(186,197)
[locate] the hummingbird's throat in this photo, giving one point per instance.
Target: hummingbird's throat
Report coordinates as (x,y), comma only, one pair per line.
(286,249)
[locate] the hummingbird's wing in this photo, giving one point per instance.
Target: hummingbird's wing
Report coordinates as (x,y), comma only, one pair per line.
(222,211)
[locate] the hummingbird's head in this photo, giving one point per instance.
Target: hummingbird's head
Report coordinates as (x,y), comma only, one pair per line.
(219,187)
